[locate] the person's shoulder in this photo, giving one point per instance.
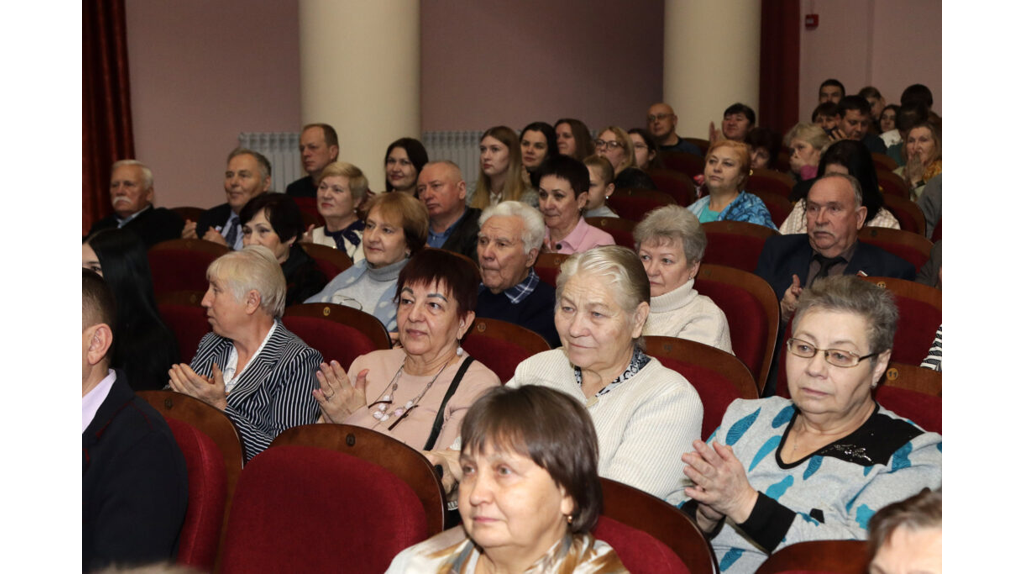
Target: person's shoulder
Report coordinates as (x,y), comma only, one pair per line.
(888,263)
(545,364)
(789,242)
(286,343)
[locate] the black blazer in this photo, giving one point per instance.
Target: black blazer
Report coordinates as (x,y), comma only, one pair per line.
(134,483)
(213,217)
(463,238)
(153,225)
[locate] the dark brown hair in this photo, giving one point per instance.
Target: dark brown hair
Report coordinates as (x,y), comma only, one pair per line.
(551,428)
(921,511)
(456,272)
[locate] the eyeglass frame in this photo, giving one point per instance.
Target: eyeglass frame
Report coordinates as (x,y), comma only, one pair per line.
(791,340)
(600,143)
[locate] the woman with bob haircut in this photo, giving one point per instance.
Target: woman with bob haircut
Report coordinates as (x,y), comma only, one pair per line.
(573,138)
(501,164)
(341,189)
(805,142)
(726,172)
(671,244)
(251,367)
(403,162)
(529,495)
(396,229)
(419,391)
(906,537)
(537,142)
(145,347)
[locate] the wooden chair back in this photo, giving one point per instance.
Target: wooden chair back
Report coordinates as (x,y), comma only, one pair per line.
(501,345)
(819,557)
(892,184)
(911,247)
(620,229)
(913,378)
(907,212)
(548,266)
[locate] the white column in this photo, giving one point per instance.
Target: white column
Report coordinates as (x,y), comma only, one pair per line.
(712,60)
(361,74)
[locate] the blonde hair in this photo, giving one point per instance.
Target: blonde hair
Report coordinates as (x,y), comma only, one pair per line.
(810,133)
(357,182)
(627,144)
(514,187)
(254,268)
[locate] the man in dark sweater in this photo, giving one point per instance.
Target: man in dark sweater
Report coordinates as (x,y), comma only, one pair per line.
(510,237)
(854,124)
(453,226)
(318,145)
(661,122)
(131,193)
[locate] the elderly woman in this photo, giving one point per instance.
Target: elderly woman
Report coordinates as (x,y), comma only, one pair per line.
(615,145)
(501,162)
(530,493)
(726,171)
(805,143)
(642,410)
(274,221)
(780,471)
(564,191)
(251,367)
(537,142)
(418,392)
(396,229)
(851,158)
(403,162)
(573,138)
(341,189)
(906,537)
(924,157)
(671,243)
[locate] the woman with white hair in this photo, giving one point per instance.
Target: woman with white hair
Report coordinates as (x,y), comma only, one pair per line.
(671,243)
(260,374)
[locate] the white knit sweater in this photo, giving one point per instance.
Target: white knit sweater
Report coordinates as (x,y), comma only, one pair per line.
(644,425)
(685,314)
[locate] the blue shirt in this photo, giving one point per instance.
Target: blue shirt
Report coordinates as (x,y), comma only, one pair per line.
(746,207)
(436,240)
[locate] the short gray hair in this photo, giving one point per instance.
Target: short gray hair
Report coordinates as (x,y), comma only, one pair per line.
(673,222)
(253,268)
(147,174)
(533,221)
(851,294)
(261,160)
(858,193)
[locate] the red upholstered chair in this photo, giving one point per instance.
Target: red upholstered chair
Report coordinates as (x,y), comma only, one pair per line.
(501,346)
(771,181)
(937,232)
(329,260)
(676,184)
(913,378)
(735,244)
(340,333)
(907,212)
(819,557)
(920,309)
(189,213)
(750,307)
(638,551)
(398,458)
(892,184)
(207,495)
(923,410)
(883,162)
(685,163)
(548,266)
(630,507)
(182,312)
(307,509)
(701,144)
(180,264)
(719,377)
(911,247)
(310,214)
(779,207)
(620,229)
(634,204)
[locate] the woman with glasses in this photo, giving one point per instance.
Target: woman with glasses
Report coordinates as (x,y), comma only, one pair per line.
(615,145)
(817,467)
(419,391)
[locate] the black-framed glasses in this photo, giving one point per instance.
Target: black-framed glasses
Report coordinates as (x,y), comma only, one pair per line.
(836,357)
(613,144)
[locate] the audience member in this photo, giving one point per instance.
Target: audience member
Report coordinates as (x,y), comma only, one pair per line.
(500,168)
(537,142)
(877,102)
(737,121)
(909,115)
(645,149)
(564,190)
(917,93)
(644,412)
(247,176)
(764,148)
(661,122)
(145,347)
(615,145)
(818,466)
(671,243)
(453,226)
(933,360)
(318,145)
(403,162)
(854,120)
(131,193)
(511,234)
(574,138)
(134,480)
(396,229)
(274,221)
(341,189)
(906,537)
(831,90)
(602,186)
(805,143)
(419,391)
(923,147)
(826,116)
(930,203)
(251,367)
(887,126)
(726,172)
(931,272)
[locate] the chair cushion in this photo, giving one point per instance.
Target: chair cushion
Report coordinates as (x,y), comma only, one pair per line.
(502,357)
(335,341)
(923,410)
(915,330)
(639,552)
(207,493)
(748,325)
(189,325)
(179,270)
(733,250)
(716,392)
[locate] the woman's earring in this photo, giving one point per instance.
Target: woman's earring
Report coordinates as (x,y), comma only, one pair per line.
(459,352)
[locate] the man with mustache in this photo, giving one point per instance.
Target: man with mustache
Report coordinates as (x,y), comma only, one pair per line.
(453,226)
(131,193)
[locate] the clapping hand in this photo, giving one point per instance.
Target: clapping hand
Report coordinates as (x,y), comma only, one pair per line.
(720,484)
(210,390)
(338,397)
(214,236)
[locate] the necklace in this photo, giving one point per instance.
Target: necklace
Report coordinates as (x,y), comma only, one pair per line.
(387,398)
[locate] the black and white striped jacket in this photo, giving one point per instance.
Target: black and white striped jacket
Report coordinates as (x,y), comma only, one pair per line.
(274,393)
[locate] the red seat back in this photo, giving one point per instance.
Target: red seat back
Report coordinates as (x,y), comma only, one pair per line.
(907,212)
(180,264)
(548,266)
(635,204)
(306,509)
(771,181)
(501,346)
(685,163)
(920,308)
(678,185)
(329,260)
(819,557)
(620,229)
(639,552)
(340,333)
(735,244)
(892,184)
(310,214)
(185,317)
(779,207)
(937,232)
(911,247)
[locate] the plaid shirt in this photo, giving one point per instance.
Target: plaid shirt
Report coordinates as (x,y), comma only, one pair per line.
(517,293)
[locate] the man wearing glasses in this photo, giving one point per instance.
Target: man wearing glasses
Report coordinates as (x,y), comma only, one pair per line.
(661,122)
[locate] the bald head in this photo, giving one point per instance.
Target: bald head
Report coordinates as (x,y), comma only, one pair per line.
(443,191)
(661,121)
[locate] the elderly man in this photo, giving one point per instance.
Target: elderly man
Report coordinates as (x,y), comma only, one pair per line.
(510,237)
(318,145)
(855,122)
(661,122)
(131,193)
(134,480)
(453,226)
(247,176)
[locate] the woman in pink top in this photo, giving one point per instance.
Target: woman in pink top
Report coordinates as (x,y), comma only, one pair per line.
(406,392)
(564,191)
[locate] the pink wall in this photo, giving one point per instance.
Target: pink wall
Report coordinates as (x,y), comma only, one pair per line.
(201,73)
(888,44)
(517,61)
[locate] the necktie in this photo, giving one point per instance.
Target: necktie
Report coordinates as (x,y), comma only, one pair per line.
(233,232)
(826,264)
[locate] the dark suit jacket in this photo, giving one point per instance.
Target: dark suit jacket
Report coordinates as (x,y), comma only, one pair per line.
(786,255)
(213,217)
(275,392)
(463,238)
(134,483)
(153,225)
(301,188)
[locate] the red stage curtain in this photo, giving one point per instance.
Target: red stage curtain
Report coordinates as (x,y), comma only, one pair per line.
(780,65)
(106,104)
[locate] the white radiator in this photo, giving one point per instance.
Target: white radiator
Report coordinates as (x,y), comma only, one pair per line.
(463,148)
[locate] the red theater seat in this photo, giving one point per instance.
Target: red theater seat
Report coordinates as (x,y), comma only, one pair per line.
(548,265)
(735,244)
(329,260)
(340,333)
(907,212)
(620,229)
(920,308)
(678,185)
(892,184)
(779,207)
(911,247)
(186,318)
(635,204)
(180,264)
(501,346)
(771,181)
(819,557)
(684,163)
